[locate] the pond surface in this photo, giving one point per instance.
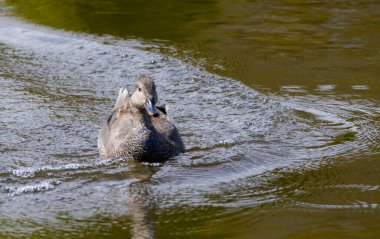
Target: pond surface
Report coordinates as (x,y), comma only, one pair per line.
(277,103)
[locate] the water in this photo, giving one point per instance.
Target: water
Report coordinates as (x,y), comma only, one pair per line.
(282,139)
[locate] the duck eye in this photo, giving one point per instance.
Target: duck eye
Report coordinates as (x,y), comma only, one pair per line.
(139,89)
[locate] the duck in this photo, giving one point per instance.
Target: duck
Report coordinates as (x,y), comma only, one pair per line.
(138,127)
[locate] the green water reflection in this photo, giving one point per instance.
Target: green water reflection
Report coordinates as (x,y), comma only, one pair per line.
(264,44)
(325,47)
(165,20)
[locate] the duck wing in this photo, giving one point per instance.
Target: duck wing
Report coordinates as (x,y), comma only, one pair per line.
(168,130)
(121,101)
(123,97)
(163,108)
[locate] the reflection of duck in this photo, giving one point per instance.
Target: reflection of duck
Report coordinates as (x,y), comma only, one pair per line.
(137,128)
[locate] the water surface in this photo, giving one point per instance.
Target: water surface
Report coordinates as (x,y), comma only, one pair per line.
(277,104)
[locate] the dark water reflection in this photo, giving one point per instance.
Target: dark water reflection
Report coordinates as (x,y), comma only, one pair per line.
(296,159)
(261,43)
(146,19)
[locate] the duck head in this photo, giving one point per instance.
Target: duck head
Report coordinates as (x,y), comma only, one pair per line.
(145,95)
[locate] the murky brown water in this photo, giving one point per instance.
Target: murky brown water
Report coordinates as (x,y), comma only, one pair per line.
(277,102)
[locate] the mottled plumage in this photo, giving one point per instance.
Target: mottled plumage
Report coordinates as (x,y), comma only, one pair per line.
(139,129)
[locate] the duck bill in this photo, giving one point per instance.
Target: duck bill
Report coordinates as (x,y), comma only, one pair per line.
(151,108)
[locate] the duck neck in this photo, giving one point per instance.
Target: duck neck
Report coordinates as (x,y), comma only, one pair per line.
(142,117)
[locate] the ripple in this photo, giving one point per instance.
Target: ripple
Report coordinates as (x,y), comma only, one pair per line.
(46,170)
(360,87)
(359,187)
(293,88)
(59,87)
(357,205)
(326,88)
(34,188)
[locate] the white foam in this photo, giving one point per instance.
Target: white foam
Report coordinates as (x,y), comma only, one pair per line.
(34,188)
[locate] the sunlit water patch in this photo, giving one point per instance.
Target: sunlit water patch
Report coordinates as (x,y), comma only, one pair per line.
(59,87)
